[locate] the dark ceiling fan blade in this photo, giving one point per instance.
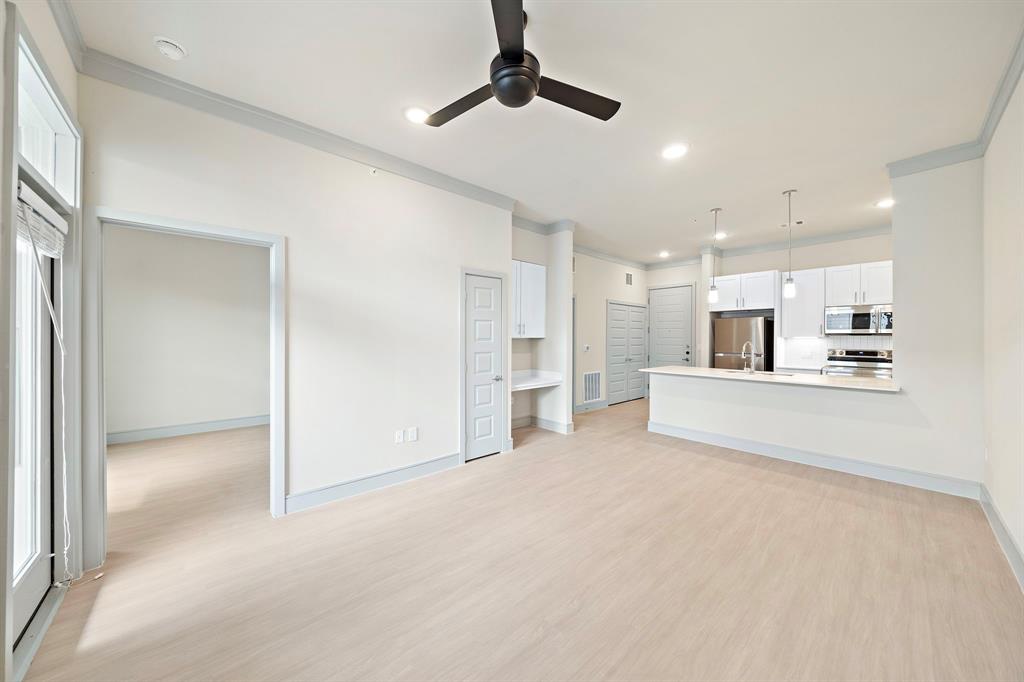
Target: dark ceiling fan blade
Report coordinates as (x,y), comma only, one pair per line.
(508,22)
(575,98)
(460,106)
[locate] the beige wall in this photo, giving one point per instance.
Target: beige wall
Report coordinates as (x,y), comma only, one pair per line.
(595,283)
(40,22)
(1004,317)
(186,326)
(373,303)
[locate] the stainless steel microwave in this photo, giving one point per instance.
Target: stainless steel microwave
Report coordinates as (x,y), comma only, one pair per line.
(858,319)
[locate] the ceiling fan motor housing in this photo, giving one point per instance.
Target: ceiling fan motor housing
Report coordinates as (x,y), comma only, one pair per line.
(515,83)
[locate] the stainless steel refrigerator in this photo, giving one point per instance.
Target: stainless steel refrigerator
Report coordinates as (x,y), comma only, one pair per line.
(731,333)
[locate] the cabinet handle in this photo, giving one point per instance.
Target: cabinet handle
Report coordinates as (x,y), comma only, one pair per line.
(855,297)
(821,329)
(863,297)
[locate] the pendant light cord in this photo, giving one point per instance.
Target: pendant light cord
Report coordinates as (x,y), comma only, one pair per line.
(714,240)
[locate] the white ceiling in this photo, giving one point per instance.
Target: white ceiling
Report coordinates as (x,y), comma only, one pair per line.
(815,96)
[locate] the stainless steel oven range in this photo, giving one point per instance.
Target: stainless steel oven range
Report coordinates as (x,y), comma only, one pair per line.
(859,363)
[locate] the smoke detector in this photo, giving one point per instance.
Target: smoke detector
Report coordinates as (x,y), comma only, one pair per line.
(169,48)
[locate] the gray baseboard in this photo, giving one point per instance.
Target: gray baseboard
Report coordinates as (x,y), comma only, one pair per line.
(546,424)
(916,479)
(1013,552)
(186,429)
(591,406)
(339,491)
(521,422)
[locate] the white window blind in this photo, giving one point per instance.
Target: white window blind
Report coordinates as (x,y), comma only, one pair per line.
(40,224)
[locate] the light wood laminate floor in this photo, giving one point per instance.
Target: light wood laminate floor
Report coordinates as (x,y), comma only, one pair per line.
(609,554)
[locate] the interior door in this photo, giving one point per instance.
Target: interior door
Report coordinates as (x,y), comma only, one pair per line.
(33,436)
(485,386)
(636,357)
(671,326)
(617,333)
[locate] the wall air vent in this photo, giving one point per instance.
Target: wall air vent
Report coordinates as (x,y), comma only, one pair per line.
(591,386)
(629,279)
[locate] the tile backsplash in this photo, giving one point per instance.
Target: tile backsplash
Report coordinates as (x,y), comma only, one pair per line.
(867,342)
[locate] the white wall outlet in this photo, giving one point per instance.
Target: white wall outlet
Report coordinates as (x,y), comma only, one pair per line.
(412,433)
(399,436)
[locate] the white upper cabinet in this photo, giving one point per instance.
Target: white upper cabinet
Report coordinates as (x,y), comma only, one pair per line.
(876,282)
(859,284)
(842,285)
(757,290)
(803,314)
(728,293)
(751,291)
(529,293)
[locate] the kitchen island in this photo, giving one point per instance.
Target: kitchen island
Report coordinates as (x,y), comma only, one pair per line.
(860,425)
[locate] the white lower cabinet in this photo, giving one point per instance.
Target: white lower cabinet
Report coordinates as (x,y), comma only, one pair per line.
(803,315)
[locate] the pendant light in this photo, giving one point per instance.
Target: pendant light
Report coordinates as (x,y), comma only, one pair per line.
(789,286)
(713,291)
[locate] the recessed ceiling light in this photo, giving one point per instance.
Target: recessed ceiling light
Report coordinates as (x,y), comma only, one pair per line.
(663,254)
(416,115)
(886,203)
(169,48)
(674,151)
(720,235)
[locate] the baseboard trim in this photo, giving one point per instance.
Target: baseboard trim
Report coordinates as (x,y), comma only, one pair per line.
(881,472)
(591,406)
(358,486)
(522,422)
(186,429)
(36,630)
(1013,553)
(546,424)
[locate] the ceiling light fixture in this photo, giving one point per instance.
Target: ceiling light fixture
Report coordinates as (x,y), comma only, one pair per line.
(720,235)
(713,291)
(416,115)
(170,49)
(789,286)
(674,151)
(663,254)
(886,203)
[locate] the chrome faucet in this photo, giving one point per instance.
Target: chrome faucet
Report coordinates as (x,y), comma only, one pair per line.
(749,369)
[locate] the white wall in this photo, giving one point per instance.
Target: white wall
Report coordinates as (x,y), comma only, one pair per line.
(374,261)
(595,283)
(845,252)
(937,254)
(186,325)
(554,405)
(1004,317)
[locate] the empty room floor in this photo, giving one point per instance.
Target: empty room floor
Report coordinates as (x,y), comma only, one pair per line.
(609,554)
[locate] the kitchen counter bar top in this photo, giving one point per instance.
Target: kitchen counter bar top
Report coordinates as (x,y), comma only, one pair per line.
(816,380)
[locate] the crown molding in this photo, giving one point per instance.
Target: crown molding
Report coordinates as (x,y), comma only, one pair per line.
(594,253)
(540,228)
(67,24)
(808,241)
(673,263)
(975,149)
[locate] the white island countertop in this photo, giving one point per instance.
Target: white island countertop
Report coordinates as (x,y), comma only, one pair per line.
(817,380)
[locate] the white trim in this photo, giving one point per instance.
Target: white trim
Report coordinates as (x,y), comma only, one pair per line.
(357,486)
(522,422)
(936,159)
(674,263)
(94,448)
(593,253)
(807,241)
(137,435)
(1013,552)
(881,472)
(551,425)
(30,642)
(1003,94)
(69,29)
(125,74)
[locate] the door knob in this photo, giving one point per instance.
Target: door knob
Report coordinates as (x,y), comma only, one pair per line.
(497,377)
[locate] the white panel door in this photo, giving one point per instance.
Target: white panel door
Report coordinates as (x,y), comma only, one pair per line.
(616,342)
(876,282)
(533,290)
(757,290)
(842,285)
(636,353)
(517,298)
(485,386)
(804,314)
(728,293)
(671,326)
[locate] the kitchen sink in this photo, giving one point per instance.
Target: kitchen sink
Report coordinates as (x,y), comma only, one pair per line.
(743,371)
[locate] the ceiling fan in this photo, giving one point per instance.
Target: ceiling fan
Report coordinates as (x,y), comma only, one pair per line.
(515,75)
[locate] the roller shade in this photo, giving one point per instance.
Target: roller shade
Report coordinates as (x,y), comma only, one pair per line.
(38,222)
